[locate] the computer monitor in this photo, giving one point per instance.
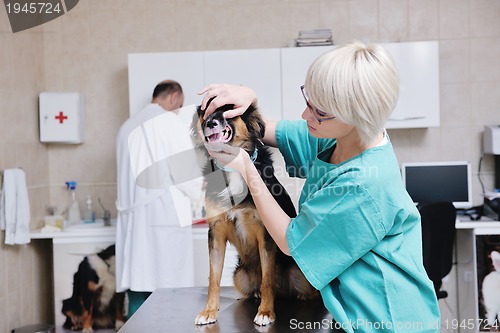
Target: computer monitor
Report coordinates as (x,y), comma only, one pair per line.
(439,181)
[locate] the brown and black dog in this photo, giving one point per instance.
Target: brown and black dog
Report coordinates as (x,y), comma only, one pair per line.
(262,270)
(94,303)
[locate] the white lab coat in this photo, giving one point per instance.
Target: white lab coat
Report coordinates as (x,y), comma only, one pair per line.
(153,250)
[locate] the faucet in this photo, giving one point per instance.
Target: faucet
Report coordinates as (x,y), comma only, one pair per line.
(107,214)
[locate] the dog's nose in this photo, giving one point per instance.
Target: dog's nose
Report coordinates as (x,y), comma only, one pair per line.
(211,123)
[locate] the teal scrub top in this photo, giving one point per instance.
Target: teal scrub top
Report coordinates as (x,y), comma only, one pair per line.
(357,237)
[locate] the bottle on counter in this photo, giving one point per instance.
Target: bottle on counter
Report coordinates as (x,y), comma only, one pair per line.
(89,216)
(73,210)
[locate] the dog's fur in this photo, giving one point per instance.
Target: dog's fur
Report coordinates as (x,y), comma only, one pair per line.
(94,303)
(262,270)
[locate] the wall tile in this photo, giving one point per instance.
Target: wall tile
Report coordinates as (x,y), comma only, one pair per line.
(456,144)
(455,105)
(192,27)
(217,34)
(4,21)
(363,20)
(454,58)
(276,30)
(335,15)
(248,28)
(454,18)
(423,20)
(3,270)
(485,53)
(401,142)
(4,320)
(393,20)
(27,288)
(155,29)
(27,62)
(303,16)
(424,145)
(485,101)
(485,20)
(6,52)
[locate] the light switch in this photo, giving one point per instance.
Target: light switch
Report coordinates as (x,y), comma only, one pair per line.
(62,117)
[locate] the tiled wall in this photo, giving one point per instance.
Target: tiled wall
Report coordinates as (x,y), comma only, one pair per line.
(25,274)
(86,51)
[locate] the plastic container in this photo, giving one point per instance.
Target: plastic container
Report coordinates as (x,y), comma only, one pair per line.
(74,216)
(89,216)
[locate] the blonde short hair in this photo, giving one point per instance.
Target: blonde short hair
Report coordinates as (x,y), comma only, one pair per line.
(356,83)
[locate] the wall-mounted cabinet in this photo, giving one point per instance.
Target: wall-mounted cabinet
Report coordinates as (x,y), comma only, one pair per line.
(418,66)
(259,69)
(276,75)
(295,62)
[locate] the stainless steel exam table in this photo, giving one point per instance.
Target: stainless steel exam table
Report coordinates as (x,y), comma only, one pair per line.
(174,310)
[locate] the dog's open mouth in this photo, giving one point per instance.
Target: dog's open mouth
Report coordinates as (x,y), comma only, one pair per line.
(217,134)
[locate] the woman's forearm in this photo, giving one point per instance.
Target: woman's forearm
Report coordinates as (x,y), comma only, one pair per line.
(272,215)
(269,138)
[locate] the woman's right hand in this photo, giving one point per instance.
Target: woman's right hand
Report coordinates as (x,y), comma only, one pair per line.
(240,96)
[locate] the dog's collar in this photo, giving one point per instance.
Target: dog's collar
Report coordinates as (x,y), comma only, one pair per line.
(253,158)
(255,154)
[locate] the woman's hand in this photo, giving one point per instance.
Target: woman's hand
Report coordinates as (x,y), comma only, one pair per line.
(229,156)
(223,94)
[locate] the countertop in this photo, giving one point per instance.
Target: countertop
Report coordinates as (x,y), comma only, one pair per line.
(464,222)
(174,310)
(98,229)
(83,230)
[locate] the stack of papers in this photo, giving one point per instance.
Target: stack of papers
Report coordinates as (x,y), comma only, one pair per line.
(315,37)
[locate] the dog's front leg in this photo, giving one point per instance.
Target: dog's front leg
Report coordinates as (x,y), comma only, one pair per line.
(265,314)
(87,321)
(216,253)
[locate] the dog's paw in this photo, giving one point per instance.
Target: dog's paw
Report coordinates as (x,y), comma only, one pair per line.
(88,330)
(263,319)
(206,317)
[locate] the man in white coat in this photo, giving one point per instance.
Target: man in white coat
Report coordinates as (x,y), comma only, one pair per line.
(153,239)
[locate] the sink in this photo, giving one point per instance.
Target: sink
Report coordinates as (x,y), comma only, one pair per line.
(99,223)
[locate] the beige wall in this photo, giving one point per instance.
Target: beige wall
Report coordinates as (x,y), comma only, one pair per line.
(25,275)
(86,51)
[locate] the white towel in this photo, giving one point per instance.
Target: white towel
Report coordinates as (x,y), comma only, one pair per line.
(15,208)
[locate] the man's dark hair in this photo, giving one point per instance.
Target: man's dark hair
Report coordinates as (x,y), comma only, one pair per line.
(166,88)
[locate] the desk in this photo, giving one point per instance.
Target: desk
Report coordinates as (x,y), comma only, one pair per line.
(471,267)
(174,310)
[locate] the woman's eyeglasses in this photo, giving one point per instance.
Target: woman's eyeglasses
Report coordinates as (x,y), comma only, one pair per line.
(319,115)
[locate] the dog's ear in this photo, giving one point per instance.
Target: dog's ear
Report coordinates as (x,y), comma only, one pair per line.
(253,117)
(199,111)
(261,124)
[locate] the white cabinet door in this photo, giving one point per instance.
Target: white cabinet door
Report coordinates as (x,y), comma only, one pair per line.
(257,69)
(295,62)
(418,66)
(146,70)
(67,256)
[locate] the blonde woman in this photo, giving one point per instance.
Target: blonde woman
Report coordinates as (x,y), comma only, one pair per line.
(357,237)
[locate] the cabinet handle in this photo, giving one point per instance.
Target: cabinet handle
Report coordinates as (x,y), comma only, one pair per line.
(407,118)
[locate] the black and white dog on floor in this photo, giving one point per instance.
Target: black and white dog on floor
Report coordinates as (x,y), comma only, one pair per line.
(95,303)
